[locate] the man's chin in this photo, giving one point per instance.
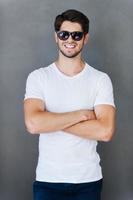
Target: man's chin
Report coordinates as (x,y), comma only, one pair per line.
(70,55)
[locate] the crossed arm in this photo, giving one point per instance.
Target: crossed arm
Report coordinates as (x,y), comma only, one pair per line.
(98,124)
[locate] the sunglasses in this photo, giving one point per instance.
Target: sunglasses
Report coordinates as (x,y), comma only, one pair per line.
(64,35)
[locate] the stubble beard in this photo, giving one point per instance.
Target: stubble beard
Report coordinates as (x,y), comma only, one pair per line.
(71,55)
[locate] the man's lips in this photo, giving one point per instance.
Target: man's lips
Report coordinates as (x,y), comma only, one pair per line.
(70,46)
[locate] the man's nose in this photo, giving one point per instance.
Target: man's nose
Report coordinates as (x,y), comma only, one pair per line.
(70,39)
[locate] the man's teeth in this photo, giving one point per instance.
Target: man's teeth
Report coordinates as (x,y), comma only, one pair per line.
(69,46)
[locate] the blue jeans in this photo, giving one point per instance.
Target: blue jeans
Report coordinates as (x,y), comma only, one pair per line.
(67,191)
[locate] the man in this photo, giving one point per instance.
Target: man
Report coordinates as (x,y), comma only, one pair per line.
(70,104)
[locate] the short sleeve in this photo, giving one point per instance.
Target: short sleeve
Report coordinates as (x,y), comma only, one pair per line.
(34,86)
(104,91)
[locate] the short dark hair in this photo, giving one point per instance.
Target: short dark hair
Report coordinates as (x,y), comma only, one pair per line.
(72,16)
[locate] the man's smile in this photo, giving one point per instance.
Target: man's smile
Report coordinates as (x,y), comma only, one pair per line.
(70,46)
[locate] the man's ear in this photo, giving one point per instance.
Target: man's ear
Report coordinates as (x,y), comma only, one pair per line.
(55,35)
(86,39)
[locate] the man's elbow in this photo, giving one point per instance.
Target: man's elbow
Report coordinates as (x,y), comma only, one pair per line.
(108,134)
(31,127)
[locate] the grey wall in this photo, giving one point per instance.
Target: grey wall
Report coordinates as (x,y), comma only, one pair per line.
(26,43)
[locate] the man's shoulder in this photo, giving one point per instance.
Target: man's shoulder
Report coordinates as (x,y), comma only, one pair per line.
(41,71)
(96,72)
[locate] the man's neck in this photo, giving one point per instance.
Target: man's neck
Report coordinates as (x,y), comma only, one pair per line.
(70,66)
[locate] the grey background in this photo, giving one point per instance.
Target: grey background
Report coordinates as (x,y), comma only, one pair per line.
(26,43)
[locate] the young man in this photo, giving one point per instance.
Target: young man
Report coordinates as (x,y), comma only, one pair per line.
(70,104)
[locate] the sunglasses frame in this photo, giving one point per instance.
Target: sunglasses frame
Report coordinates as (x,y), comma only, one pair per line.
(72,34)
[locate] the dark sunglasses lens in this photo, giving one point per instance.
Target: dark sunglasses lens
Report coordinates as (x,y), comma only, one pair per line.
(63,35)
(77,36)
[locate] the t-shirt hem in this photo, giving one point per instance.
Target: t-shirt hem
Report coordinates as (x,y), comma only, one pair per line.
(68,180)
(33,97)
(105,103)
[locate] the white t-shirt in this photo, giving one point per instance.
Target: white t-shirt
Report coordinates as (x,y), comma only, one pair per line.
(64,157)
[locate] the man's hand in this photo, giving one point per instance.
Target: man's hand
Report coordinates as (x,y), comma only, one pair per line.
(87,115)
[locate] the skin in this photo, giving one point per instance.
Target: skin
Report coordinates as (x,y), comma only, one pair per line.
(75,51)
(98,124)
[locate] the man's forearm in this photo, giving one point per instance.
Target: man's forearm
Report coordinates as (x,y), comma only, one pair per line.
(93,129)
(101,129)
(43,121)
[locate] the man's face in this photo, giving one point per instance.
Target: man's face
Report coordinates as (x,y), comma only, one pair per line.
(71,48)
